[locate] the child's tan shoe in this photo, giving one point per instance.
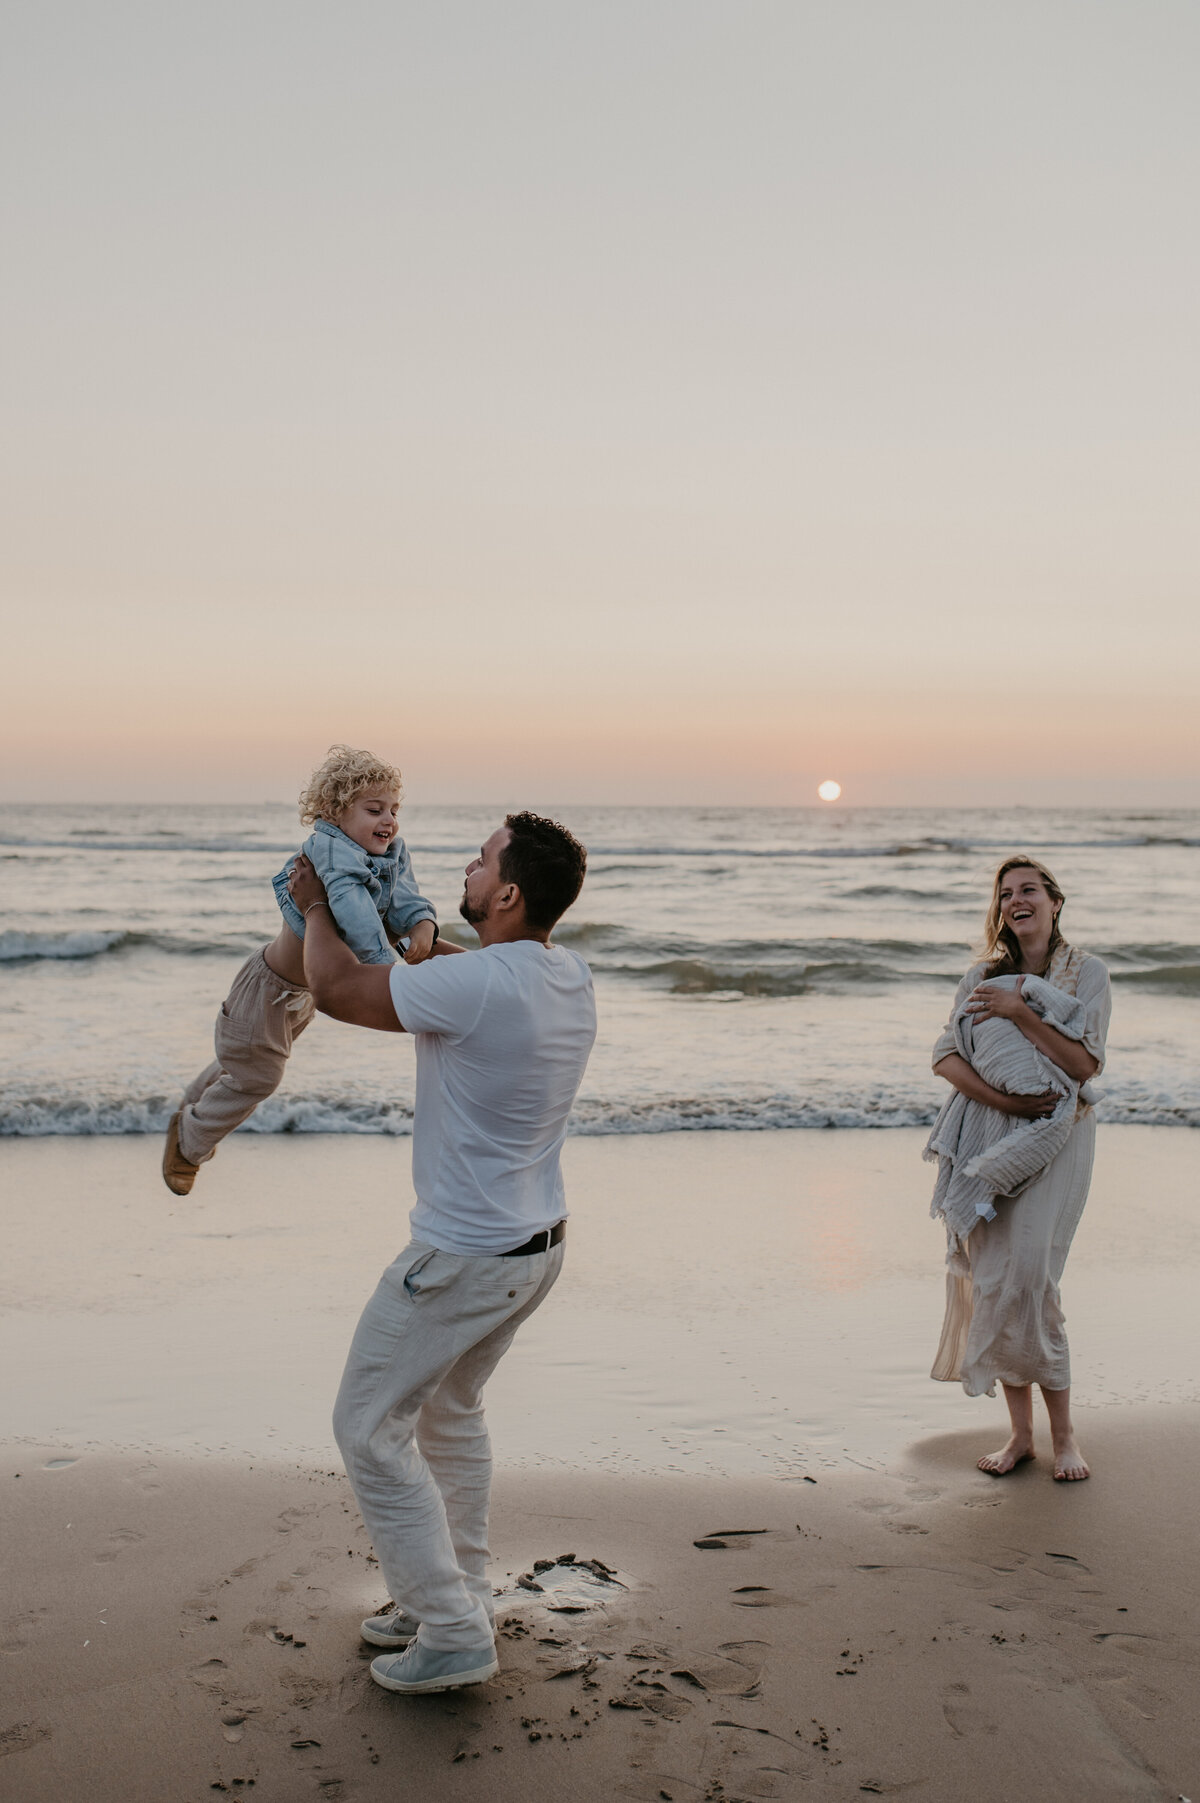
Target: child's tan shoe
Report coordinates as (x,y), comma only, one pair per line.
(179,1173)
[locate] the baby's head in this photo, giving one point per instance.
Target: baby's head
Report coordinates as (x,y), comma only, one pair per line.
(359,793)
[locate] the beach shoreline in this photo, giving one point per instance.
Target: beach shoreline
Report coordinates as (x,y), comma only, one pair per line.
(740,1341)
(731,1304)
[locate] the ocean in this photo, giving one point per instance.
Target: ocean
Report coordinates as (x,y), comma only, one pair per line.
(755,967)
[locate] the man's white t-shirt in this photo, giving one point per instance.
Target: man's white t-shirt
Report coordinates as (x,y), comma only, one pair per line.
(503,1036)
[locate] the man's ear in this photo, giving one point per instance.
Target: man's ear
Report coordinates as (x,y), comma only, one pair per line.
(507,898)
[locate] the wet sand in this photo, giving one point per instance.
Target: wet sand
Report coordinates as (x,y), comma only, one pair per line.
(180,1628)
(740,1341)
(731,1303)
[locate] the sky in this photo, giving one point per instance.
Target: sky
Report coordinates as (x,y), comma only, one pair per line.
(656,402)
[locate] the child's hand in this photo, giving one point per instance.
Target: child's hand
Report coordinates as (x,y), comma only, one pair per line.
(420,942)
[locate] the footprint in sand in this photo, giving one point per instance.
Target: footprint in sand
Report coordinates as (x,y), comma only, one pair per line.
(117,1544)
(315,1601)
(767,1781)
(21,1736)
(963,1715)
(16,1632)
(919,1493)
(1135,1695)
(210,1675)
(733,1671)
(292,1518)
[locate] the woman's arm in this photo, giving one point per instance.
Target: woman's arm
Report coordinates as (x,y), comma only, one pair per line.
(967,1081)
(988,1002)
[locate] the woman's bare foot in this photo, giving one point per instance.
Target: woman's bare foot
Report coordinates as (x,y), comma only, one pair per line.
(1069,1463)
(1018,1449)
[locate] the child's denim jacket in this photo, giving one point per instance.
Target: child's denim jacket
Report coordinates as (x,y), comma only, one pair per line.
(366,892)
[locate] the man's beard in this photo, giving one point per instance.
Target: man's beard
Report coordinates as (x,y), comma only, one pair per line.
(472,913)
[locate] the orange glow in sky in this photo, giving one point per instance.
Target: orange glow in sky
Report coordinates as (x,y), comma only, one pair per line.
(507,424)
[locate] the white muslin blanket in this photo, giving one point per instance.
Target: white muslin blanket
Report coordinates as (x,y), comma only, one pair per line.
(981,1153)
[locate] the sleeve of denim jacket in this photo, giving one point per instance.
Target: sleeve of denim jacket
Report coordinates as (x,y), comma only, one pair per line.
(407,905)
(346,878)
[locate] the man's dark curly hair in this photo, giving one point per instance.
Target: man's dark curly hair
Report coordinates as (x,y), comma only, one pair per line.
(546,862)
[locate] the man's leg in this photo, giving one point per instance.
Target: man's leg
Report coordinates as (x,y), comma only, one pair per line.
(452,1434)
(430,1311)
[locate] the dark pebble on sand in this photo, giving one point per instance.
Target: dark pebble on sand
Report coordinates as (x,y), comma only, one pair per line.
(710,1545)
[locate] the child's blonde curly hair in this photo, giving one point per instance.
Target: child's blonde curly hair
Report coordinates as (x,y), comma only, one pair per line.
(344,774)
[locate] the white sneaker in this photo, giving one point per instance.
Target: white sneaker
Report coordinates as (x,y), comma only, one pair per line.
(393,1630)
(424,1668)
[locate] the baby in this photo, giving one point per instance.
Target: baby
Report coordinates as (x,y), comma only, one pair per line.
(351,802)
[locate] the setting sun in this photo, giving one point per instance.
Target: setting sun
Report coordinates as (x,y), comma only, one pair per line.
(829,791)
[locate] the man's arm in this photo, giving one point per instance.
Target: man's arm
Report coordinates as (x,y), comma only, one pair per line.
(340,985)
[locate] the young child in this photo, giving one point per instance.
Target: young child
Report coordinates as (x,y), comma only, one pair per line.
(351,802)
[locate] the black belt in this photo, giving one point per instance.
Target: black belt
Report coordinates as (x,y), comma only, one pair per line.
(541,1242)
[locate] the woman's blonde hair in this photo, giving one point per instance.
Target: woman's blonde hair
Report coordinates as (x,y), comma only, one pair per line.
(344,774)
(1001,946)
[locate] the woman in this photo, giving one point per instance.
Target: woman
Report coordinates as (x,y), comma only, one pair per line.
(1004,1319)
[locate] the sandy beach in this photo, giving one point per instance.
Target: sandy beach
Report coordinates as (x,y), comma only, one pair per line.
(739,1343)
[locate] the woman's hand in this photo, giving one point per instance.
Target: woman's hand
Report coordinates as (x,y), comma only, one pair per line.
(970,1084)
(1031,1108)
(304,885)
(988,1002)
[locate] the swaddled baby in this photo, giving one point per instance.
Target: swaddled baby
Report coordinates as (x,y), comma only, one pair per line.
(984,1153)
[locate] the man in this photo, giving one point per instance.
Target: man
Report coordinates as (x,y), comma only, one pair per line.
(503,1036)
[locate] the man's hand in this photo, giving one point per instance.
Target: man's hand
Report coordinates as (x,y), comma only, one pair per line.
(420,942)
(304,885)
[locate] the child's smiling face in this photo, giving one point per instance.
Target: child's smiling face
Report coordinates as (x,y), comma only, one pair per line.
(370,819)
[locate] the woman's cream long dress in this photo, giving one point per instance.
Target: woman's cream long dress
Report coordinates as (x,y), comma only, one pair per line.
(1004,1319)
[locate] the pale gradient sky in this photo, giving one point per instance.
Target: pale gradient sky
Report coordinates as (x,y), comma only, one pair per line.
(651,402)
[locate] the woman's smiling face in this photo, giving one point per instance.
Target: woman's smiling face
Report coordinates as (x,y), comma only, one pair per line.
(1026,906)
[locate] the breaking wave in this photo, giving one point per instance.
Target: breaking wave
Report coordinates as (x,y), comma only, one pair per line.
(674,964)
(30,948)
(42,1116)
